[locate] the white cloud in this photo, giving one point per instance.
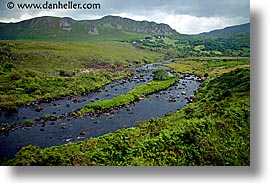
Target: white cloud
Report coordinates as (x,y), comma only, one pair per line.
(187,24)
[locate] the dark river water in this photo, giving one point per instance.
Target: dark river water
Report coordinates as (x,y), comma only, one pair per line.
(71,129)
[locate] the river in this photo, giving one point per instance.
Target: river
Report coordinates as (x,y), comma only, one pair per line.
(71,129)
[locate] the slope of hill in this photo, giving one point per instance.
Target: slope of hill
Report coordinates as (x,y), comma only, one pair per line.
(55,28)
(244,28)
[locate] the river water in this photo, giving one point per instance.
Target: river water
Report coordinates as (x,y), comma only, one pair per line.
(71,129)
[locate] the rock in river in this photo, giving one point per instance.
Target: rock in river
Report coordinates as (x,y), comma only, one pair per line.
(38,109)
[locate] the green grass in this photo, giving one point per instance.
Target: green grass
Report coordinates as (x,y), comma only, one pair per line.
(212,66)
(169,41)
(213,130)
(199,47)
(48,58)
(17,91)
(134,95)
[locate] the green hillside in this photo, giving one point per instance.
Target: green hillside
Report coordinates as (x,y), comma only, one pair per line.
(67,29)
(229,30)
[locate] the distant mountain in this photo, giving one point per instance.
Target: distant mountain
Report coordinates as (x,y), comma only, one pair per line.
(55,28)
(129,25)
(244,28)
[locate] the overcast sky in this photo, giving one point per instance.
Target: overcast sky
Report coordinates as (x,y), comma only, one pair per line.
(185,16)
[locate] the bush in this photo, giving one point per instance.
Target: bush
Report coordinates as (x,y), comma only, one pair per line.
(7,66)
(160,75)
(66,74)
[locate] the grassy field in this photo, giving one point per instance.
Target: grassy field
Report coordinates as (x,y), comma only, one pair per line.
(31,71)
(209,66)
(48,58)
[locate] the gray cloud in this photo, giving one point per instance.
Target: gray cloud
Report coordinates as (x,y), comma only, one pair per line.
(227,12)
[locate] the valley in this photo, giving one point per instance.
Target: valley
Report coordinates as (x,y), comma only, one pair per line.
(115,91)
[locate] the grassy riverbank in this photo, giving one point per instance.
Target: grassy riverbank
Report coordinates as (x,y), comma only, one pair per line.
(209,66)
(213,130)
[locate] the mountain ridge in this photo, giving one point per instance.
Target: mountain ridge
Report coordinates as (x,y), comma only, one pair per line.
(106,28)
(48,27)
(235,29)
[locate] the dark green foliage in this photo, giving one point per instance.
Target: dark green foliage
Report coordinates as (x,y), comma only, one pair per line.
(198,46)
(160,75)
(7,66)
(213,130)
(66,74)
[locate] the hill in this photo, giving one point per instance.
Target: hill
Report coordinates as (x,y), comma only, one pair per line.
(106,28)
(237,29)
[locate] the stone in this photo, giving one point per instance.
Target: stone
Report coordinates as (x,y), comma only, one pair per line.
(38,109)
(63,125)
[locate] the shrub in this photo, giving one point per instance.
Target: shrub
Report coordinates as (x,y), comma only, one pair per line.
(160,75)
(7,66)
(15,75)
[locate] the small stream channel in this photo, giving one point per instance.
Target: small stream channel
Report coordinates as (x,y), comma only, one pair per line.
(71,129)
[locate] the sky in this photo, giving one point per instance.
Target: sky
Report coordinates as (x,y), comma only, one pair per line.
(185,16)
